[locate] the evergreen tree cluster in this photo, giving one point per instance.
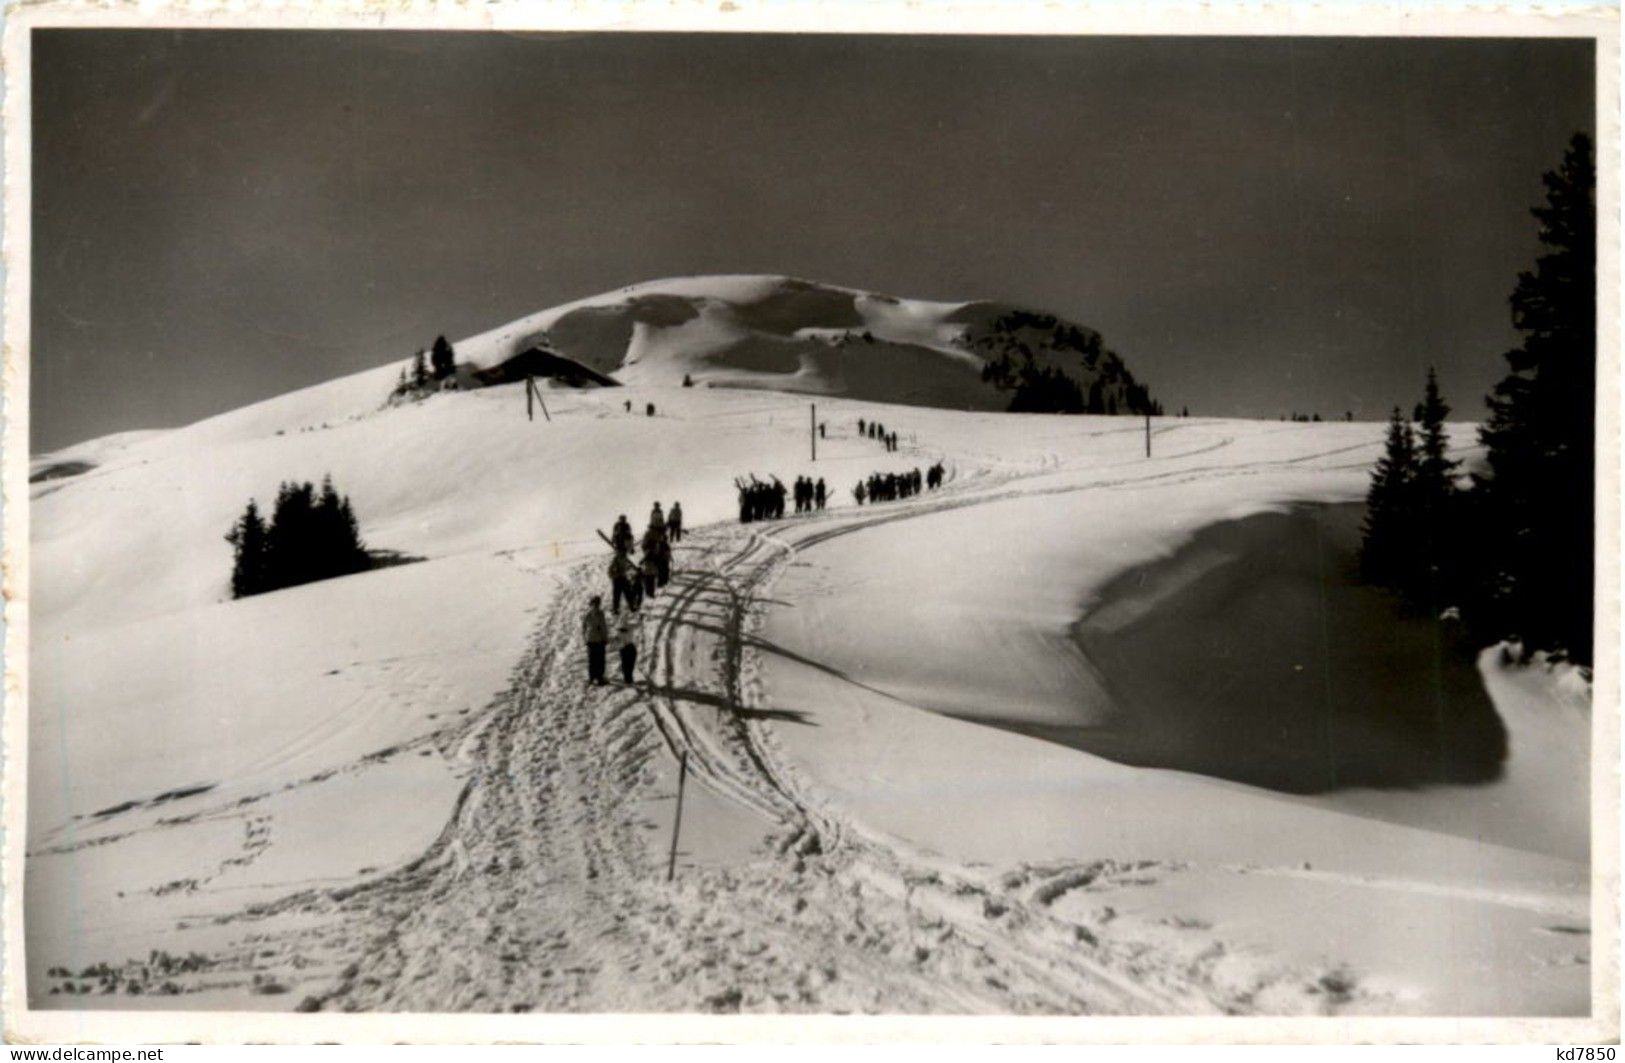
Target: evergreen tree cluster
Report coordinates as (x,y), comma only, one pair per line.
(1029,353)
(429,371)
(1042,390)
(1413,510)
(312,535)
(1515,552)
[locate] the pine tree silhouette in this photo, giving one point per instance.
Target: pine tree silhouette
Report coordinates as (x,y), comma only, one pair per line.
(442,358)
(1433,571)
(248,569)
(1390,508)
(290,559)
(1435,471)
(1534,508)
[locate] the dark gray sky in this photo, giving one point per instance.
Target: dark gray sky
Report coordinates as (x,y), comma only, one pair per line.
(1257,225)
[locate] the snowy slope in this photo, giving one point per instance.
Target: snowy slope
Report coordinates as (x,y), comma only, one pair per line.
(288,783)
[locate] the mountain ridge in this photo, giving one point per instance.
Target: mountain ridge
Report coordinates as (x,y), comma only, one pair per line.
(801,336)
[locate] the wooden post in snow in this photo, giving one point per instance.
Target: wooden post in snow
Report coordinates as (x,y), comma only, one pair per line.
(813,428)
(1148,435)
(677,819)
(532,391)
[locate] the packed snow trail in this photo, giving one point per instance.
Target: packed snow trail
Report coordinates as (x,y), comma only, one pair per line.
(546,891)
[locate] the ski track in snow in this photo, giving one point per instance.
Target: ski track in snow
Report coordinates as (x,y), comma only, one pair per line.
(546,890)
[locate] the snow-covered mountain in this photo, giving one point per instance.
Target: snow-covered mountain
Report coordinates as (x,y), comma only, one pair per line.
(306,798)
(785,334)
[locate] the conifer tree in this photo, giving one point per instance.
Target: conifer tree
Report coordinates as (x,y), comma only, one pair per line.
(335,539)
(1435,471)
(1390,512)
(1433,570)
(443,359)
(1535,506)
(248,569)
(290,559)
(420,371)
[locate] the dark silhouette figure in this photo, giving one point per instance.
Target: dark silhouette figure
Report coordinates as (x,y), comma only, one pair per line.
(621,536)
(626,640)
(620,580)
(650,570)
(595,629)
(662,555)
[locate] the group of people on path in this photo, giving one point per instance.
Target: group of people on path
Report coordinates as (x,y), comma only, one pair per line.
(630,583)
(890,486)
(631,580)
(764,500)
(761,501)
(876,430)
(809,495)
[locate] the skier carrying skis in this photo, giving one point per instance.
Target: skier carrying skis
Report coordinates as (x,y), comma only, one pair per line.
(674,523)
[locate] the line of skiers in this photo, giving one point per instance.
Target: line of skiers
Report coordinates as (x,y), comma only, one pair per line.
(760,501)
(764,500)
(890,486)
(876,430)
(809,495)
(630,582)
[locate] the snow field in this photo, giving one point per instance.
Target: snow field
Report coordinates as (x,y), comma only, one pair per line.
(413,803)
